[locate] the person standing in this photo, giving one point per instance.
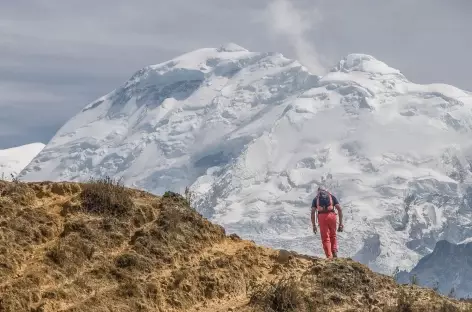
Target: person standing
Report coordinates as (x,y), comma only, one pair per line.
(324,208)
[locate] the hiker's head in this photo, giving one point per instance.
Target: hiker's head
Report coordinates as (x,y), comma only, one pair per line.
(322,188)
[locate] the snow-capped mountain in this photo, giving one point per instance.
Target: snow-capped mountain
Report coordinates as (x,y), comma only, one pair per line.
(448,268)
(253,134)
(15,159)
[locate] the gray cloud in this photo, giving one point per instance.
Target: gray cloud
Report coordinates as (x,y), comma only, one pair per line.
(57,56)
(284,19)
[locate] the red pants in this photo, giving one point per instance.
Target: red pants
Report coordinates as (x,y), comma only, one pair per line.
(327,223)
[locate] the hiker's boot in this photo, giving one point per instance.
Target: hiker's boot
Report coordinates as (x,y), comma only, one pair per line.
(335,254)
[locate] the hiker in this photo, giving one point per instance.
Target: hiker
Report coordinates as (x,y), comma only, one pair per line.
(324,207)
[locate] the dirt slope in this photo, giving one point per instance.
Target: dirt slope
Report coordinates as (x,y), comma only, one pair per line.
(101,247)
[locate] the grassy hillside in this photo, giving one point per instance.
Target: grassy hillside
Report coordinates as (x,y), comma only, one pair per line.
(101,247)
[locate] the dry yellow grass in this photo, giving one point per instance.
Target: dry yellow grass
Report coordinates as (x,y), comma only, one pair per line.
(101,247)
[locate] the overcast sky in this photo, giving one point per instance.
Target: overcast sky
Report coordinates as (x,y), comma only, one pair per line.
(57,56)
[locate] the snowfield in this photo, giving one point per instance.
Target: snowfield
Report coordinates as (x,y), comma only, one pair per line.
(15,159)
(253,134)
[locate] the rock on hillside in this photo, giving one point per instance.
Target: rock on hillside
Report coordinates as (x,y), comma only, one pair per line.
(98,246)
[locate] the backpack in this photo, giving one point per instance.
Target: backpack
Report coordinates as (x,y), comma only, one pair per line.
(324,196)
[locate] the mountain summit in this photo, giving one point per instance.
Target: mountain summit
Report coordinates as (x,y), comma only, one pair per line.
(254,133)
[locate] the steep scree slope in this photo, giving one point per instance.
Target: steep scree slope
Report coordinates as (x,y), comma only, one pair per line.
(255,133)
(101,247)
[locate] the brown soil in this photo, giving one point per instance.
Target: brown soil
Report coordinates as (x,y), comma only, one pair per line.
(101,247)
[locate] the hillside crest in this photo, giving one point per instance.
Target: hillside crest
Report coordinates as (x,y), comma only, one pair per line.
(99,246)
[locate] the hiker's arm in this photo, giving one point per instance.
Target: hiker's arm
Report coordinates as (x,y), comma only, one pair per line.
(313,212)
(339,209)
(340,212)
(313,216)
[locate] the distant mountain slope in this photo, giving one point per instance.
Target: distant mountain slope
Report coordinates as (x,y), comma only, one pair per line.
(15,159)
(254,133)
(448,268)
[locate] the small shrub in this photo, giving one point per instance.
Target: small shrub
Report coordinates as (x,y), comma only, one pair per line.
(448,307)
(170,219)
(173,195)
(126,260)
(282,296)
(452,292)
(18,192)
(79,227)
(106,196)
(133,262)
(71,251)
(3,177)
(189,196)
(57,254)
(404,301)
(130,288)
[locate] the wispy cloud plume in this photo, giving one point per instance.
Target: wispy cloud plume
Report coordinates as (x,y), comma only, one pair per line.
(283,19)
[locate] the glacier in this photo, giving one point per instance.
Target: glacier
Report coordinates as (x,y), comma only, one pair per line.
(13,160)
(254,133)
